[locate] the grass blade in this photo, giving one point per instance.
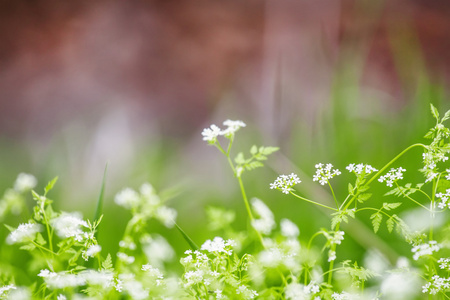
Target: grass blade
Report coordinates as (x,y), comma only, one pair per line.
(191,243)
(99,209)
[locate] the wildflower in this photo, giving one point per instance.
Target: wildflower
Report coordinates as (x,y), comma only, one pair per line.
(193,277)
(125,258)
(219,294)
(289,229)
(24,182)
(285,183)
(127,198)
(69,225)
(295,291)
(211,134)
(61,297)
(392,176)
(233,126)
(166,215)
(266,223)
(436,284)
(23,233)
(425,249)
(444,263)
(134,288)
(92,251)
(444,199)
(101,278)
(157,250)
(152,271)
(61,280)
(218,245)
(331,255)
(341,296)
(246,292)
(324,174)
(338,237)
(5,289)
(360,168)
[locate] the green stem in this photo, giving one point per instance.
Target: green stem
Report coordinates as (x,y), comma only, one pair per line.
(406,196)
(334,196)
(313,202)
(332,248)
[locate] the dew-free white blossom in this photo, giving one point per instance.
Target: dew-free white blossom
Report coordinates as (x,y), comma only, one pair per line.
(341,296)
(246,293)
(360,168)
(69,225)
(338,237)
(444,263)
(285,183)
(157,250)
(61,297)
(331,255)
(193,277)
(232,127)
(295,291)
(61,280)
(20,293)
(324,173)
(266,222)
(6,288)
(23,233)
(125,258)
(166,215)
(444,199)
(132,287)
(101,278)
(425,249)
(25,182)
(210,134)
(437,284)
(219,245)
(127,198)
(92,251)
(152,271)
(392,176)
(289,229)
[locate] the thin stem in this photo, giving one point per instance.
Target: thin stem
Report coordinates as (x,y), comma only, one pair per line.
(334,196)
(406,196)
(313,202)
(333,248)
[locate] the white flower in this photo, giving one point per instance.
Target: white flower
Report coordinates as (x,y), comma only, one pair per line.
(392,176)
(425,249)
(211,134)
(69,225)
(285,183)
(218,245)
(360,168)
(331,255)
(91,251)
(324,174)
(125,258)
(233,126)
(23,233)
(444,263)
(5,289)
(152,271)
(266,223)
(127,198)
(24,182)
(101,278)
(193,277)
(436,284)
(218,294)
(289,229)
(444,199)
(157,250)
(338,237)
(295,291)
(61,297)
(133,287)
(246,292)
(166,215)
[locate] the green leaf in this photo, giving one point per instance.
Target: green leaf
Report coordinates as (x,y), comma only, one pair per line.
(350,188)
(435,112)
(390,224)
(40,239)
(364,197)
(107,263)
(389,206)
(187,238)
(376,221)
(254,150)
(268,150)
(363,188)
(254,165)
(28,247)
(446,116)
(50,185)
(240,158)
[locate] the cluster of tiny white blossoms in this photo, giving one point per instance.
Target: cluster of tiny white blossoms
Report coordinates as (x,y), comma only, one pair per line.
(444,263)
(23,233)
(324,173)
(266,221)
(285,183)
(24,182)
(5,289)
(425,249)
(294,291)
(342,296)
(430,160)
(92,251)
(289,229)
(392,176)
(444,199)
(153,272)
(360,168)
(334,238)
(219,245)
(246,293)
(436,284)
(63,280)
(210,134)
(69,225)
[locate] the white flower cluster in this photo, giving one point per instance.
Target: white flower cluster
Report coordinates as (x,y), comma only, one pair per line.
(127,198)
(294,291)
(285,183)
(281,253)
(69,225)
(127,259)
(210,134)
(392,176)
(430,159)
(63,280)
(444,199)
(92,251)
(24,182)
(246,293)
(360,168)
(338,237)
(266,221)
(23,233)
(425,249)
(436,284)
(127,283)
(324,173)
(154,273)
(5,289)
(444,263)
(331,255)
(219,245)
(166,215)
(289,229)
(342,296)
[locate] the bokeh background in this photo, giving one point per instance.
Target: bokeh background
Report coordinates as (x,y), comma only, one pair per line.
(133,83)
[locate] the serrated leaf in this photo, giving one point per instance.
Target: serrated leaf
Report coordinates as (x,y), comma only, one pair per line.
(389,206)
(350,188)
(50,185)
(28,247)
(35,195)
(376,221)
(390,224)
(254,165)
(239,159)
(254,150)
(363,188)
(364,197)
(434,112)
(351,213)
(79,268)
(446,116)
(107,263)
(268,150)
(40,239)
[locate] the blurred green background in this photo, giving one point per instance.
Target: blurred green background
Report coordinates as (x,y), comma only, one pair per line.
(133,84)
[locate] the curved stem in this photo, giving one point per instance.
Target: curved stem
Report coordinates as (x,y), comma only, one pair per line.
(313,202)
(415,201)
(334,196)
